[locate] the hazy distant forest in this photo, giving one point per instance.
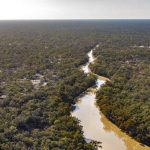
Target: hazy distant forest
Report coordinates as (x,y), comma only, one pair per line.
(40,79)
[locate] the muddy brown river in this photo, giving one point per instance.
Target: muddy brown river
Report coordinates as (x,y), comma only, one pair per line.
(95,125)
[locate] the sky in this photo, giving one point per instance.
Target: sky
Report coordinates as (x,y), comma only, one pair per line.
(74,9)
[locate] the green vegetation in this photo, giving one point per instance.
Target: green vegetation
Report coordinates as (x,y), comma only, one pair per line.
(37,116)
(40,79)
(126,99)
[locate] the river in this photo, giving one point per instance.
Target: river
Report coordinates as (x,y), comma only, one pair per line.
(95,125)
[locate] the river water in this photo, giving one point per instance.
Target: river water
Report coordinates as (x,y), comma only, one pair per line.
(95,125)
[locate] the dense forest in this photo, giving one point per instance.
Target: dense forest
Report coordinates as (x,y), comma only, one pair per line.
(40,80)
(125,100)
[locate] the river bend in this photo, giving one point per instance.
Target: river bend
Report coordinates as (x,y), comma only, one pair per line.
(95,125)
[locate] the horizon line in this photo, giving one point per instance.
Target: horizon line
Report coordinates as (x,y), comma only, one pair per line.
(74,19)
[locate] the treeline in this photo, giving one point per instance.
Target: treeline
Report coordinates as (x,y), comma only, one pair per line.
(37,116)
(125,100)
(40,78)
